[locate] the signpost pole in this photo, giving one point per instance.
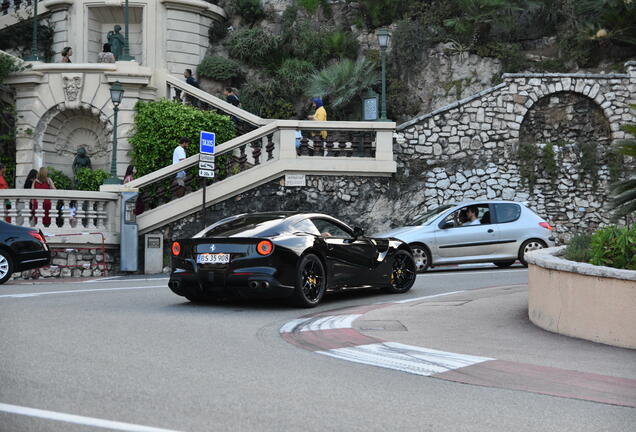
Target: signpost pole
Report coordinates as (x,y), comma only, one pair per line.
(205,186)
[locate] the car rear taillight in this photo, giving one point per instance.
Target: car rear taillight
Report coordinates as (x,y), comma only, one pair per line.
(36,235)
(176,248)
(264,247)
(546,225)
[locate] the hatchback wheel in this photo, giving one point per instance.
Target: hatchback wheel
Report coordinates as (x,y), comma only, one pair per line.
(311,281)
(528,246)
(6,266)
(421,256)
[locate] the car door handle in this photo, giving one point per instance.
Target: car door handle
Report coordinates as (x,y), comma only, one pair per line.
(491,230)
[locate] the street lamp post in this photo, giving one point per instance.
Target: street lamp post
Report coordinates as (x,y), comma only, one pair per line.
(384,37)
(116,96)
(34,43)
(126,54)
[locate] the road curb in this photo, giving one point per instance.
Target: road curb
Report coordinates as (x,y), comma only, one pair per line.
(331,333)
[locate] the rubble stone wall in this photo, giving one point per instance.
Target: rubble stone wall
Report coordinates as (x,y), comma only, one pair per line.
(73,262)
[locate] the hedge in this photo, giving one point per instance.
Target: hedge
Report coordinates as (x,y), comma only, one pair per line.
(159,125)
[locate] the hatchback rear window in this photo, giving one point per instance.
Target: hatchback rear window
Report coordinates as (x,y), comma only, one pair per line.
(507,212)
(244,226)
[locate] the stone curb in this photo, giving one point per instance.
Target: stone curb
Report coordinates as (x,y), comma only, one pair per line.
(550,258)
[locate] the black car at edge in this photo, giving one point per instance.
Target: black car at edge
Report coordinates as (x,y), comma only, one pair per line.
(21,248)
(285,254)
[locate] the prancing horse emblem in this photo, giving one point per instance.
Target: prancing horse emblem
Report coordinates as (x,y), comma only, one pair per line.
(212,248)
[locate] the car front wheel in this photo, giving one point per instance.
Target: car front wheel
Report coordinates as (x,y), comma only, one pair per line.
(421,256)
(402,275)
(6,266)
(528,246)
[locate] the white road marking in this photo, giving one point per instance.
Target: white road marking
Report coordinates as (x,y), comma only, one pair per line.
(319,323)
(36,294)
(458,273)
(405,358)
(425,297)
(71,418)
(112,279)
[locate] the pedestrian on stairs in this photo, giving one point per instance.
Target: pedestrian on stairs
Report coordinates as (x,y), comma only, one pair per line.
(187,74)
(178,155)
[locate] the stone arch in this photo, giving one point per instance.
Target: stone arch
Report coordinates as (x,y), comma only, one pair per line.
(62,130)
(565,118)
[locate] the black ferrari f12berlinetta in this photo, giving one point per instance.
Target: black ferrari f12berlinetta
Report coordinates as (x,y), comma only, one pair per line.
(286,254)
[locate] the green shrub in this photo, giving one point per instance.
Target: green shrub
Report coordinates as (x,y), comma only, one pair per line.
(90,180)
(409,41)
(292,76)
(378,13)
(614,247)
(217,32)
(589,161)
(527,157)
(341,45)
(254,46)
(304,40)
(263,99)
(250,10)
(60,180)
(159,125)
(579,248)
(549,162)
(312,6)
(220,69)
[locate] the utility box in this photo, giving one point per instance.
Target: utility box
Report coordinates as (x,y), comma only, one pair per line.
(153,253)
(129,243)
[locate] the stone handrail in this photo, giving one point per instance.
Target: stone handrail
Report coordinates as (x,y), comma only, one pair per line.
(267,153)
(60,212)
(179,90)
(287,129)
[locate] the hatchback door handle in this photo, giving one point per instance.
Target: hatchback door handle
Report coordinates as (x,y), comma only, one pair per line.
(491,230)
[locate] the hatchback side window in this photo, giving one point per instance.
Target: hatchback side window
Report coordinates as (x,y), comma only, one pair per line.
(507,212)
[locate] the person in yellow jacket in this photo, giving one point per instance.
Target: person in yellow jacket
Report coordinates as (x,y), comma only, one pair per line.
(320,114)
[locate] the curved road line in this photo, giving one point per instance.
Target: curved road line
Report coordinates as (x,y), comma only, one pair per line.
(331,333)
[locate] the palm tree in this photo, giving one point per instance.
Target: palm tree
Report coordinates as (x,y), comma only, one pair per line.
(624,191)
(342,82)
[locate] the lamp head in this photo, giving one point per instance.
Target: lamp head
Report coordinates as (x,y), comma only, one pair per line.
(116,93)
(384,37)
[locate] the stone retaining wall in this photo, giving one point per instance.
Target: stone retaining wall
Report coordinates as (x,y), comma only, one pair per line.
(581,300)
(72,262)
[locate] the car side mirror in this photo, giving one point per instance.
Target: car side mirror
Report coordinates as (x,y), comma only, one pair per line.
(358,232)
(447,225)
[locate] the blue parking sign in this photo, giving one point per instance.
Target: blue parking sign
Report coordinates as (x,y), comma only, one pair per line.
(207,141)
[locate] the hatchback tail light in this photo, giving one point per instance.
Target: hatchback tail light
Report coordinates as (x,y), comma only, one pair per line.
(546,225)
(36,235)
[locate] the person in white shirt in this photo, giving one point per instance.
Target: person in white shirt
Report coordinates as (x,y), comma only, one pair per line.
(178,155)
(472,213)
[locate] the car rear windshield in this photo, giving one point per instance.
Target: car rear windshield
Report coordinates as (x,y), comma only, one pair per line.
(430,215)
(244,226)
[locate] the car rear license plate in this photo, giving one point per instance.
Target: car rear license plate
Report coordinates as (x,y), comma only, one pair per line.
(213,258)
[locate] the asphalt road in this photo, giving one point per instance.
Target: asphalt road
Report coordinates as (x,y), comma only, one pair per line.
(130,351)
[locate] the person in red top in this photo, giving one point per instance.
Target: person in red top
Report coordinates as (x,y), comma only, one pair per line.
(43,181)
(3,181)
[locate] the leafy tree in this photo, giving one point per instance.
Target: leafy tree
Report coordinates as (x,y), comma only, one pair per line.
(342,83)
(624,192)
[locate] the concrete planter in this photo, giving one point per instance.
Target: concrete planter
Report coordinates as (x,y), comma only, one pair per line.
(582,300)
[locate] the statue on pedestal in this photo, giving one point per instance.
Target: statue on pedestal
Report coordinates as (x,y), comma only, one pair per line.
(81,161)
(116,41)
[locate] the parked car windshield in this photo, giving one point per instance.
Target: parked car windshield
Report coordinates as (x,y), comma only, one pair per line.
(431,215)
(243,226)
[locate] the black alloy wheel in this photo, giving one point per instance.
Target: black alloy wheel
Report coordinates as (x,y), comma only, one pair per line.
(6,266)
(311,281)
(402,275)
(504,264)
(422,257)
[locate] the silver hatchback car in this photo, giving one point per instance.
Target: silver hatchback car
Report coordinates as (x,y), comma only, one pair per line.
(500,232)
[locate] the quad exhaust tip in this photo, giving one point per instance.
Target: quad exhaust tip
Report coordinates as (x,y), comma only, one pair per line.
(258,284)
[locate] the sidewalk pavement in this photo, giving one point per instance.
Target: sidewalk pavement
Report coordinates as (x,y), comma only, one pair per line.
(481,337)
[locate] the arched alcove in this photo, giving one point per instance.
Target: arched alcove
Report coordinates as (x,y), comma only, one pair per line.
(67,131)
(565,118)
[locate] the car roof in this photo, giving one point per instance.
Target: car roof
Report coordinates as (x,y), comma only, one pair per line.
(488,202)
